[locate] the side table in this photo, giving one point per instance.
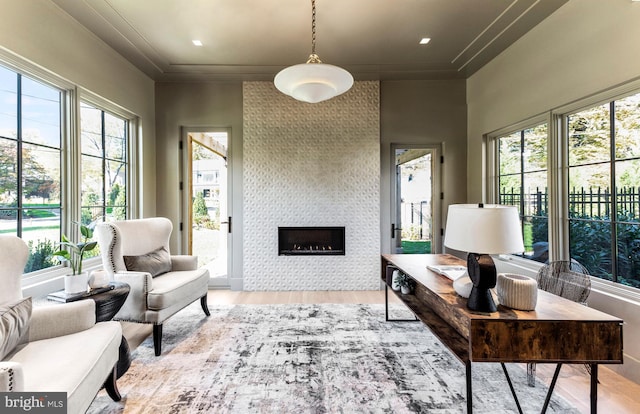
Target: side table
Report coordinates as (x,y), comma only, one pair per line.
(109,300)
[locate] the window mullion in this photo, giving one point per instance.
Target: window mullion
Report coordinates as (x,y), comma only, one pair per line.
(522,189)
(104,165)
(19,172)
(558,188)
(614,193)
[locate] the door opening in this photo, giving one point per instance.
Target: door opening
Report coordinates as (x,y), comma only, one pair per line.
(413,207)
(209,222)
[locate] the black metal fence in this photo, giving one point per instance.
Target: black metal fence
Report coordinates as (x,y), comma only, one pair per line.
(416,220)
(583,202)
(608,246)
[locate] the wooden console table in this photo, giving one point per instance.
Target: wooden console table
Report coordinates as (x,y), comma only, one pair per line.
(558,331)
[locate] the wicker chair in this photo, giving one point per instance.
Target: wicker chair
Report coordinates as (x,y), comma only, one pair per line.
(567,279)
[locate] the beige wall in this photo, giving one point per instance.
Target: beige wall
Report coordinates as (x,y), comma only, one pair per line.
(38,31)
(586,47)
(194,105)
(411,112)
(423,113)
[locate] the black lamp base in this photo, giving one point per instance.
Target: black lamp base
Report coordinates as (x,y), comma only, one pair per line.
(482,272)
(481,300)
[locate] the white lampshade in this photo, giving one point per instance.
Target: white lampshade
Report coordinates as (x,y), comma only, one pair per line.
(313,82)
(490,229)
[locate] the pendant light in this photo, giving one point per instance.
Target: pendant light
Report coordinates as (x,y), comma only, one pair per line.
(313,81)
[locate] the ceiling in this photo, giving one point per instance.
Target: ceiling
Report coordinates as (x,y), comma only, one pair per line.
(254,39)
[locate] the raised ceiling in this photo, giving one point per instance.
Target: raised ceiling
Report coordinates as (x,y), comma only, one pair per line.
(254,39)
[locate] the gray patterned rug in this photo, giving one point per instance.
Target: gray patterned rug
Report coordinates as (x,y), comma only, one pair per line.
(308,359)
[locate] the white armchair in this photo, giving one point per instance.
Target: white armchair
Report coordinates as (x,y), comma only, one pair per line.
(137,252)
(55,348)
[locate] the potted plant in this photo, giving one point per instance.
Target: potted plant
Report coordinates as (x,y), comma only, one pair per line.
(406,283)
(73,253)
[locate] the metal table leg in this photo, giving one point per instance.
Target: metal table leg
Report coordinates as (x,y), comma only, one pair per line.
(386,308)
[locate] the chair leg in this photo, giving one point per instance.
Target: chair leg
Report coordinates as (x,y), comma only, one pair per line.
(111,387)
(157,338)
(531,374)
(205,307)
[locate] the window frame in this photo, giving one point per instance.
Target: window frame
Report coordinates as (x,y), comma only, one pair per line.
(103,158)
(132,121)
(21,141)
(68,94)
(558,178)
(492,159)
(35,283)
(134,133)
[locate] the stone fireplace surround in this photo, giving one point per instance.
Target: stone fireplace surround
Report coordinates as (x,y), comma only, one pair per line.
(311,165)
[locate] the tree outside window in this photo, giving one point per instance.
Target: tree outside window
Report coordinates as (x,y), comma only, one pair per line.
(104,140)
(604,193)
(30,165)
(522,182)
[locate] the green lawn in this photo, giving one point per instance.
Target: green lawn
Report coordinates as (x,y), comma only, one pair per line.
(416,246)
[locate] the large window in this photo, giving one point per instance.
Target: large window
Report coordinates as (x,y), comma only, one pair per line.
(104,165)
(41,195)
(522,182)
(30,164)
(604,189)
(593,181)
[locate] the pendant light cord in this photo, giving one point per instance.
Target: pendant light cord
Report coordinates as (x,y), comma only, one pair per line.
(313,58)
(313,27)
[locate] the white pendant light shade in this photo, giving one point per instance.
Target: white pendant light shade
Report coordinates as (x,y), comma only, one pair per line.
(313,82)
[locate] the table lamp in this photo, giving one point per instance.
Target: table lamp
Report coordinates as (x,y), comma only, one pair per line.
(482,230)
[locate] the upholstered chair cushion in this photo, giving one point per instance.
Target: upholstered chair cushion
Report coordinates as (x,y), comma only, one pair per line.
(14,324)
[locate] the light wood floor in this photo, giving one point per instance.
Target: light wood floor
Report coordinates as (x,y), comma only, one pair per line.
(615,393)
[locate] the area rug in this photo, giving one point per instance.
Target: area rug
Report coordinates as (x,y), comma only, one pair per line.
(309,359)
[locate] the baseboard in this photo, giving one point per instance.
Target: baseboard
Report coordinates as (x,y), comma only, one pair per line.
(630,369)
(218,283)
(236,284)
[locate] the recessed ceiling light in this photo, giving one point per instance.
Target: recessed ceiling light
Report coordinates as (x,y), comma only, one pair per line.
(197,42)
(425,40)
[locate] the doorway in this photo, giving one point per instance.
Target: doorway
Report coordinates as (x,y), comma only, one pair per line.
(209,224)
(413,211)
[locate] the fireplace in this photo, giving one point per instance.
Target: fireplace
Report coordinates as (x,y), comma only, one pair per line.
(308,241)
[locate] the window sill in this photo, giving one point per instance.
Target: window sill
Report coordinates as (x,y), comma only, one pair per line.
(43,282)
(531,268)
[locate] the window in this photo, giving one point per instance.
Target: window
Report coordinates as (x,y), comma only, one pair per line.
(30,164)
(593,181)
(522,182)
(604,193)
(104,142)
(41,196)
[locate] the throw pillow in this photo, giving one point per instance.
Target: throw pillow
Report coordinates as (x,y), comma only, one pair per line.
(156,262)
(14,324)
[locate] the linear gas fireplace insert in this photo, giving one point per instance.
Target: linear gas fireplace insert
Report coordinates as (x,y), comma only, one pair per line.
(307,241)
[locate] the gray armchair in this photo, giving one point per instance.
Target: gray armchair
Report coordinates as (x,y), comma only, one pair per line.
(137,252)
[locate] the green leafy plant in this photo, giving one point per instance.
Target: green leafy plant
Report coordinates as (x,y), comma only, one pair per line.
(74,252)
(405,281)
(40,256)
